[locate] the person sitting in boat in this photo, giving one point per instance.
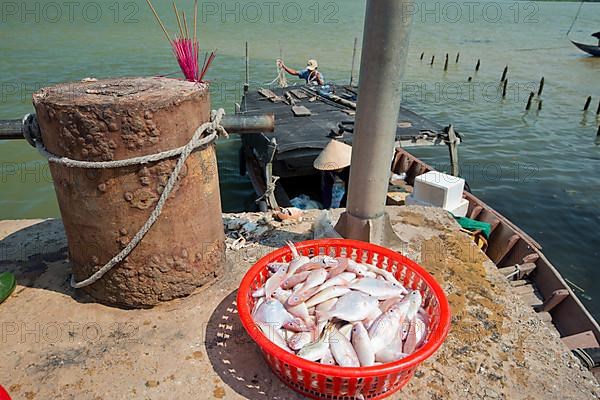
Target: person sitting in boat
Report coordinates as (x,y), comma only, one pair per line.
(334,164)
(310,74)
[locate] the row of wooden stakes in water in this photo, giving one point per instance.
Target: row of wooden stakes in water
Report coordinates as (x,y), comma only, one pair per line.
(504,82)
(503,79)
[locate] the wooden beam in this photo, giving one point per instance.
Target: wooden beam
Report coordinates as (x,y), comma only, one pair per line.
(523,270)
(583,340)
(453,142)
(555,299)
(512,241)
(476,211)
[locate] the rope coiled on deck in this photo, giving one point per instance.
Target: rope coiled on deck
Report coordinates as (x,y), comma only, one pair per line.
(198,140)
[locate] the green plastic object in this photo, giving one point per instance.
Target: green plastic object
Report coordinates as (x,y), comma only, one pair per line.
(473,225)
(7,285)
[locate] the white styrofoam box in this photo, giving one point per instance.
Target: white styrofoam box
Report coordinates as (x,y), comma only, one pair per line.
(439,189)
(411,201)
(461,209)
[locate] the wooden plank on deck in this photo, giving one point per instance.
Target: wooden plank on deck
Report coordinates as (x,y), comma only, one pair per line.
(583,340)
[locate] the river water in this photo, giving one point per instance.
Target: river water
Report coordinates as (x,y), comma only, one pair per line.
(541,169)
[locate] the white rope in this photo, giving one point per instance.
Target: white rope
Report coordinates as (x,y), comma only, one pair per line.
(213,127)
(515,272)
(270,190)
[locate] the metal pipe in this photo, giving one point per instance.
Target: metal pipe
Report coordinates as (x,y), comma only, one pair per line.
(11,129)
(385,49)
(239,124)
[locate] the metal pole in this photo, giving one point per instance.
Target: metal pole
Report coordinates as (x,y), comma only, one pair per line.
(385,48)
(12,129)
(353,61)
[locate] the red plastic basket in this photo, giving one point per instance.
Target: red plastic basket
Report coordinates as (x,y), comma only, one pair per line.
(4,394)
(320,381)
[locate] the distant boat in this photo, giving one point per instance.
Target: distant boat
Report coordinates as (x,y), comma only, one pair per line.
(593,50)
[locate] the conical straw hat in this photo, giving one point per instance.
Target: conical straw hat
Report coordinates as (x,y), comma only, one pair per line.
(336,155)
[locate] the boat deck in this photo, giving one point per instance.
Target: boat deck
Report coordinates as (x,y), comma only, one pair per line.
(289,152)
(59,344)
(311,131)
(298,140)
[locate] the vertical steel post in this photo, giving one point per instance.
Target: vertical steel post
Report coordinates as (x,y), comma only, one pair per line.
(385,48)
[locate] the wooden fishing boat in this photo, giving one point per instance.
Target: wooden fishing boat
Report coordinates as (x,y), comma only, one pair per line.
(588,48)
(521,260)
(280,168)
(307,119)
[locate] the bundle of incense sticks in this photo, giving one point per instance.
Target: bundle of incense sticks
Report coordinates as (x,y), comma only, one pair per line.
(186,48)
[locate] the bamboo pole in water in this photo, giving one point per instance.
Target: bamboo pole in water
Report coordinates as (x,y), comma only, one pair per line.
(541,88)
(354,52)
(587,103)
(247,83)
(528,107)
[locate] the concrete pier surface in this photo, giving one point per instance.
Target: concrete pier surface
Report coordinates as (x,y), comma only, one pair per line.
(58,344)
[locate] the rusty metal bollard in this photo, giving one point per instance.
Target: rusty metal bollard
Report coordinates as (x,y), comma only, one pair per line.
(103,208)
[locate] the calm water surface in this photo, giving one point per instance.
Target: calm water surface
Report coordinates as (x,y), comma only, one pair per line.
(540,169)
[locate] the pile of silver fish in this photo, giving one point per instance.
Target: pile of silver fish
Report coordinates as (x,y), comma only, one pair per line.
(339,312)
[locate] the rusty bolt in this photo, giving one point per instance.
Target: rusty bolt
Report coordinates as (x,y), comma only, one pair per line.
(113,127)
(123,232)
(102,187)
(128,196)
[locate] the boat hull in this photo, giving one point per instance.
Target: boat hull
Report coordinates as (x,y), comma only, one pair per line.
(588,48)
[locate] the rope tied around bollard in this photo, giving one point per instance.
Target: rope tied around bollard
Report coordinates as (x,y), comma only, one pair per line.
(213,128)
